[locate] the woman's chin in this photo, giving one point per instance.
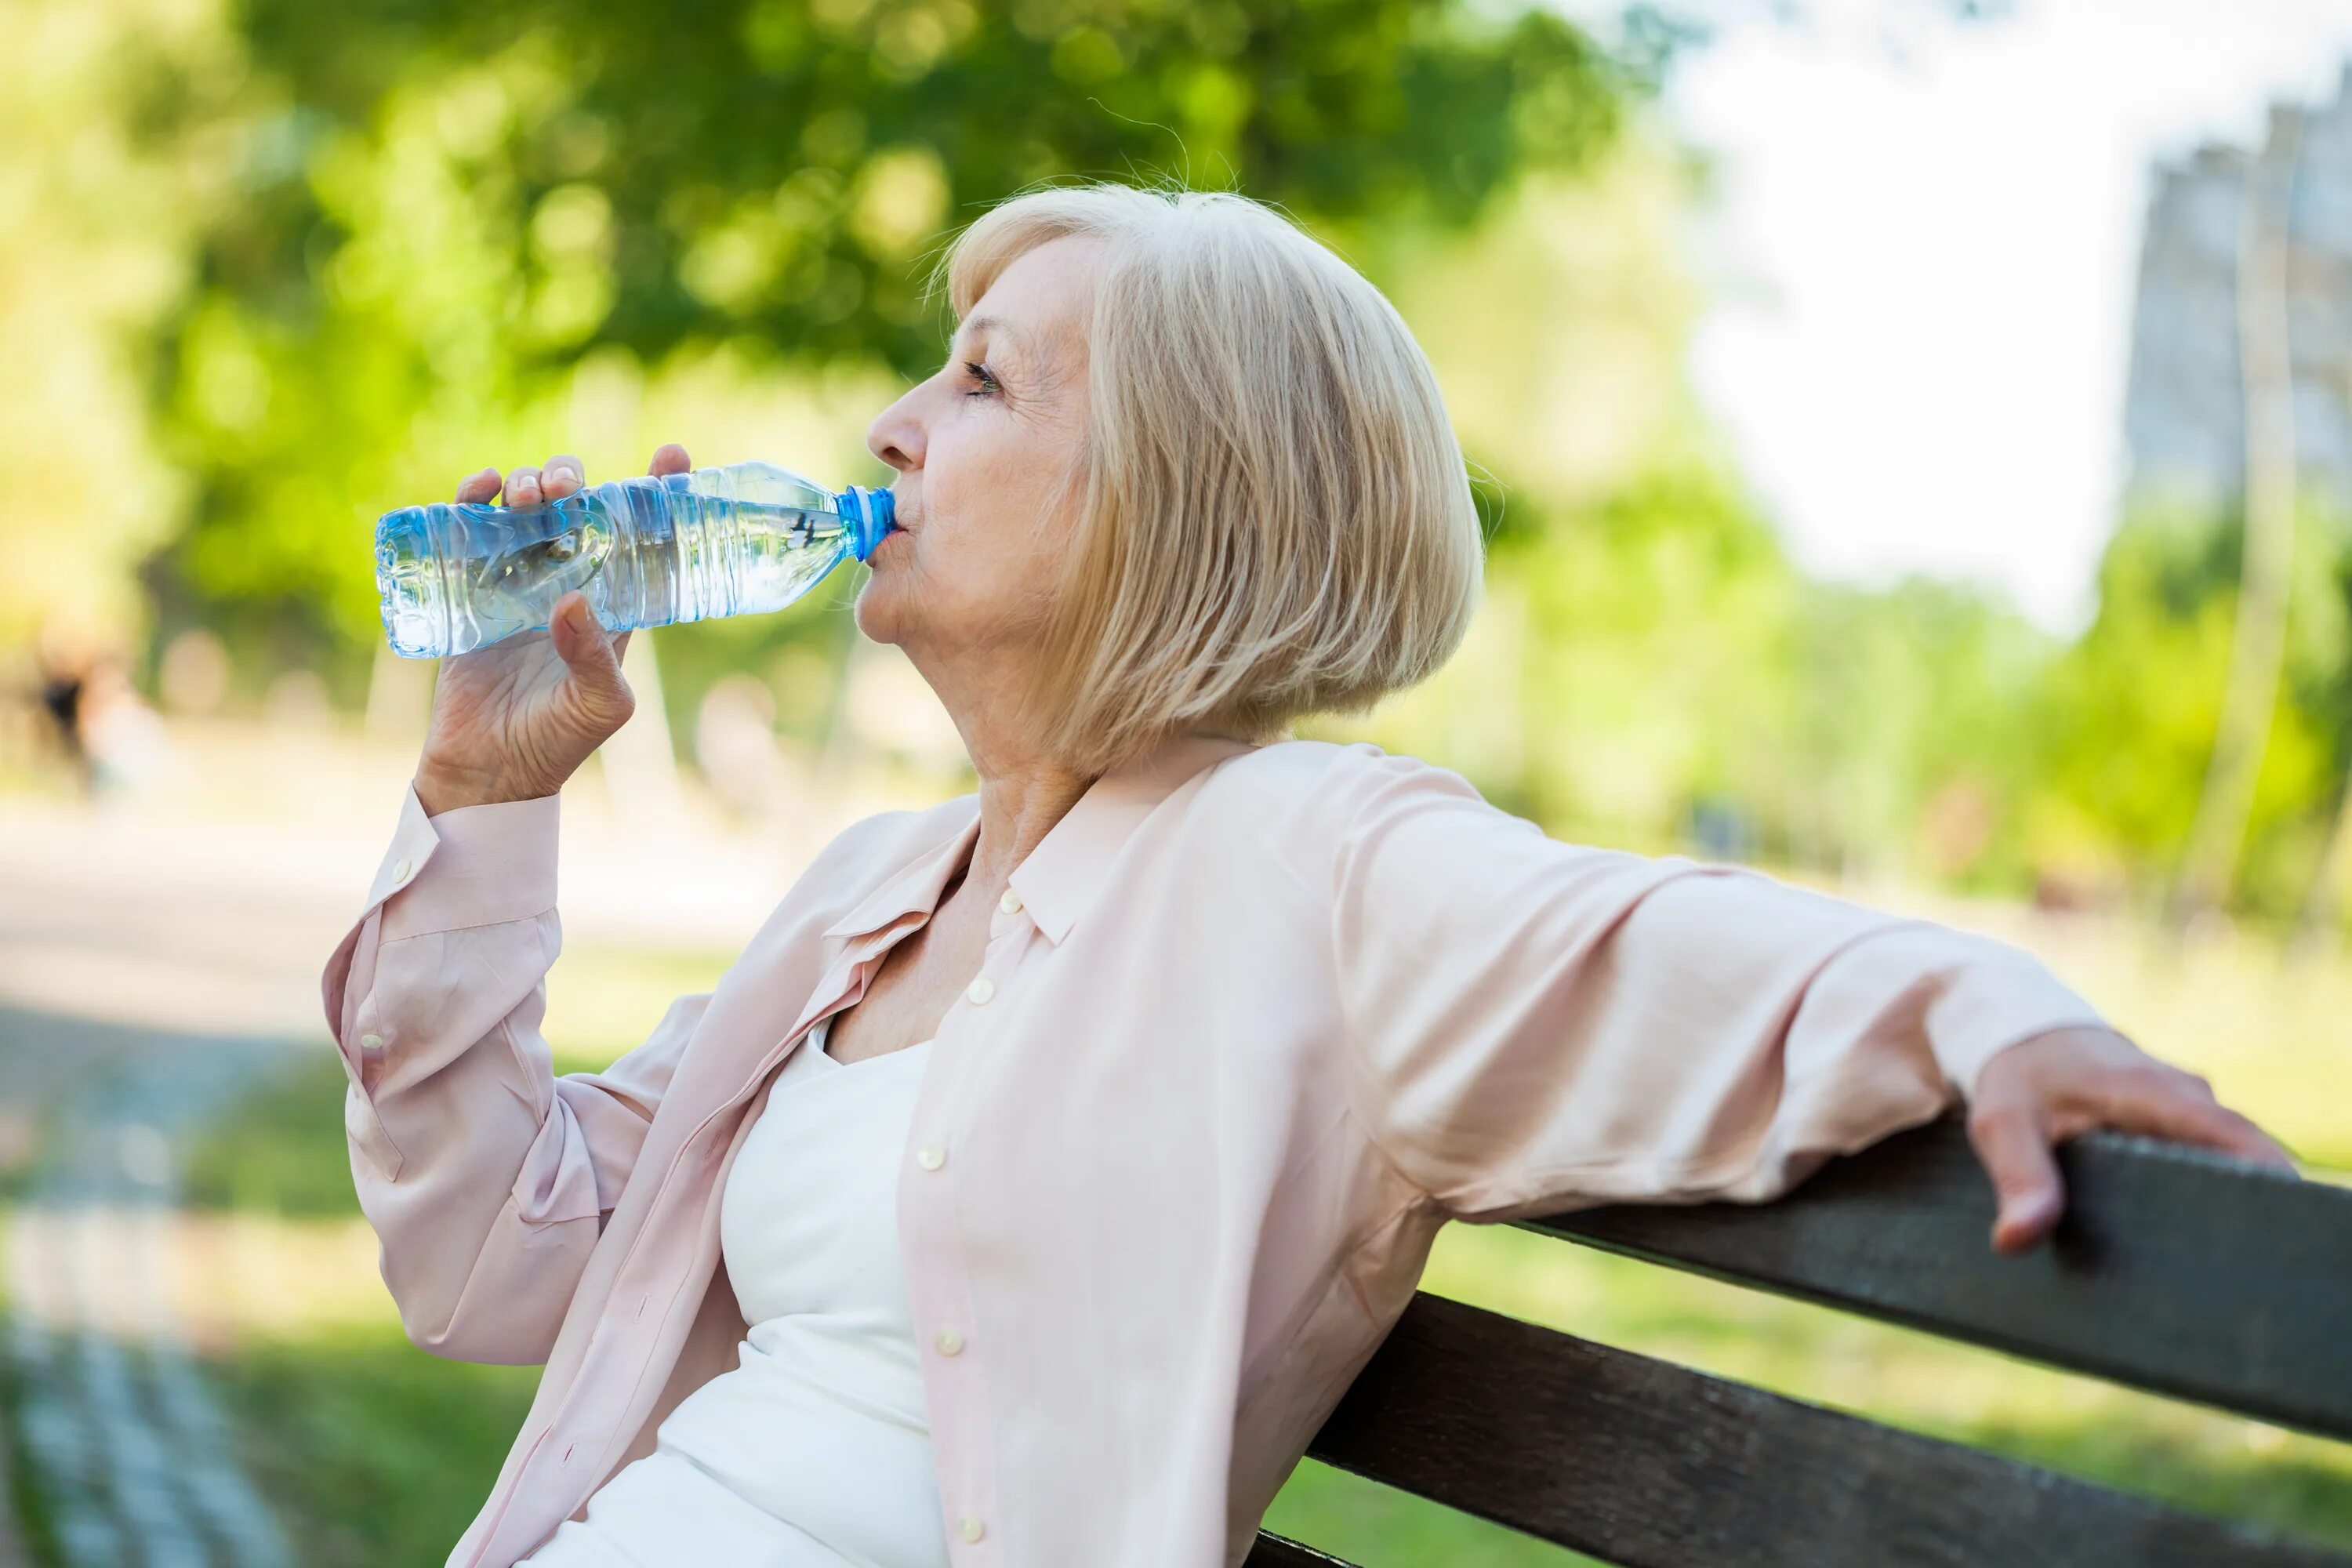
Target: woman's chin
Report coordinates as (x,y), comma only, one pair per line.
(877,610)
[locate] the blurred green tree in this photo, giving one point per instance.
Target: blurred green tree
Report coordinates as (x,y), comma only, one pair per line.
(443,208)
(2125,722)
(97,192)
(1913,745)
(1651,670)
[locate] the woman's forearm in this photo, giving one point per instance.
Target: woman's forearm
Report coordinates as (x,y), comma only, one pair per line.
(465,1145)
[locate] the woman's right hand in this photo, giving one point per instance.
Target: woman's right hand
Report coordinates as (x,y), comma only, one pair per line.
(515,719)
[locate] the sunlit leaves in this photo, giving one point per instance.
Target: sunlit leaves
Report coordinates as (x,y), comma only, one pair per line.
(926,109)
(900,202)
(442,207)
(100,181)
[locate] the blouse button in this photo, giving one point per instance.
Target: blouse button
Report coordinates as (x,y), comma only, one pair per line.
(1009,903)
(949,1343)
(371,1042)
(971,1528)
(930,1156)
(400,871)
(981,992)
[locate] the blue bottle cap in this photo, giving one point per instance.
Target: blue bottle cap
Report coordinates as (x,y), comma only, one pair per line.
(870,514)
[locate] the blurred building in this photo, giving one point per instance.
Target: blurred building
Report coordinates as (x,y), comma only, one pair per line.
(2184,413)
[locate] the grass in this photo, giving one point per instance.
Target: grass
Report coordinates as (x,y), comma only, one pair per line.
(377,1454)
(374,1455)
(1378,1527)
(27,1507)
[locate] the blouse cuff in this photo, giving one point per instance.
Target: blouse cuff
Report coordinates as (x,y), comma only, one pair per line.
(2000,997)
(472,866)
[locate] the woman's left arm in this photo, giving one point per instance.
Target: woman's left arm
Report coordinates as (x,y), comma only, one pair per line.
(1539,1027)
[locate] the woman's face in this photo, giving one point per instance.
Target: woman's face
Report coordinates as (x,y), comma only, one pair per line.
(982,450)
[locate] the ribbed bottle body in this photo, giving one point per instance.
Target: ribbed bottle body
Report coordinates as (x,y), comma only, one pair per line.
(742,540)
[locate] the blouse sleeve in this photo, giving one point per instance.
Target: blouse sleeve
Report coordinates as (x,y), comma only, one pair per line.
(1539,1027)
(485,1177)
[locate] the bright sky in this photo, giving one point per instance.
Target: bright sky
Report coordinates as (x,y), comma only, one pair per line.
(1924,258)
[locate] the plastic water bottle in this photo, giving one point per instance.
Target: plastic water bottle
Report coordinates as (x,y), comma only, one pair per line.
(738,540)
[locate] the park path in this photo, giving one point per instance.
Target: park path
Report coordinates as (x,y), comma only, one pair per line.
(150,971)
(156,959)
(135,1462)
(141,985)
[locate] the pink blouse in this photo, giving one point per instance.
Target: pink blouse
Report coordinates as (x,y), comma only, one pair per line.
(1251,1025)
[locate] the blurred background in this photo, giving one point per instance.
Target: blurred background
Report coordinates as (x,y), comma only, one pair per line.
(1916,440)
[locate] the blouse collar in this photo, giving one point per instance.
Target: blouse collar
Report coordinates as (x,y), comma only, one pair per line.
(1061,878)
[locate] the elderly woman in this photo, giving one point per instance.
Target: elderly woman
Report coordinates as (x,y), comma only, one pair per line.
(1035,1182)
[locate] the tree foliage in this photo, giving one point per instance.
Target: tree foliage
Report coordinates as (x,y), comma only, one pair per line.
(96,201)
(375,245)
(443,208)
(776,166)
(2127,717)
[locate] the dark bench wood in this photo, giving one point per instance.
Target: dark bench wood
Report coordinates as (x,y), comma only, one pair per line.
(2174,1271)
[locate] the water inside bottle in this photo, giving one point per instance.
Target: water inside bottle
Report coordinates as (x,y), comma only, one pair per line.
(679,556)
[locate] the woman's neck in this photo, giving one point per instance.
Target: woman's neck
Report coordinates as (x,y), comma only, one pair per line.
(1021,799)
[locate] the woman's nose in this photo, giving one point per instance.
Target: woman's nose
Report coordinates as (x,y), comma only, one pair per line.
(897,436)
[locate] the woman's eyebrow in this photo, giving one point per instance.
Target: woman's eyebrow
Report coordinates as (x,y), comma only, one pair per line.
(993,327)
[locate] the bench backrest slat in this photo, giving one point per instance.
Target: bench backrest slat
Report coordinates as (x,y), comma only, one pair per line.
(1279,1552)
(2173,1270)
(1645,1463)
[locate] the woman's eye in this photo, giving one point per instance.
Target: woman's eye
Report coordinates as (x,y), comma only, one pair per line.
(983,382)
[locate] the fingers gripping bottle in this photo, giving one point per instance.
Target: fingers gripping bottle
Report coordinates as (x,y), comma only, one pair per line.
(737,541)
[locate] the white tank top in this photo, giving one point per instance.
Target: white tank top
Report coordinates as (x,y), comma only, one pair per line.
(814,1452)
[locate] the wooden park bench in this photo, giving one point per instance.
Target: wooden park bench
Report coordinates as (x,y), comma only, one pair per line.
(2175,1272)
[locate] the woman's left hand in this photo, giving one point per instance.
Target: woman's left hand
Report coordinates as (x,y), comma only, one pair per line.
(2038,1093)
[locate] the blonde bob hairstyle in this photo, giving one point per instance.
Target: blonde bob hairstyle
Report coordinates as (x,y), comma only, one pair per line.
(1272,517)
